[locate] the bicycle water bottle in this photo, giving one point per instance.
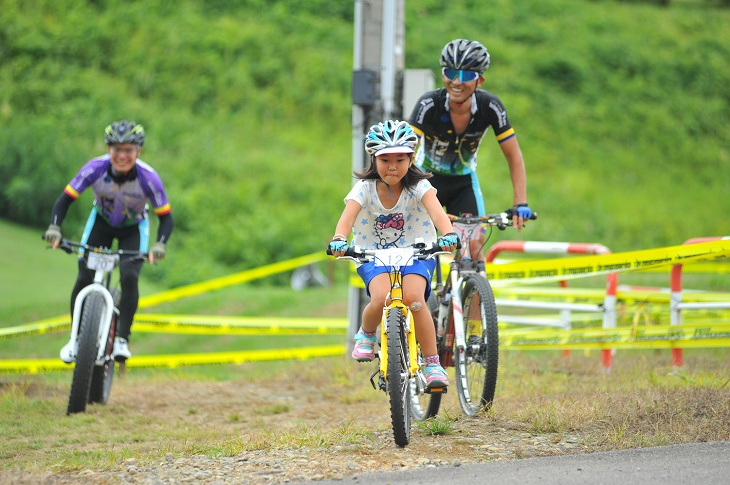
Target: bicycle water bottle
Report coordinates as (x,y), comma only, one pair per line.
(443,315)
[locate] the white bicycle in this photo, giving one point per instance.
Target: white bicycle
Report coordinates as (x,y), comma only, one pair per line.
(94,327)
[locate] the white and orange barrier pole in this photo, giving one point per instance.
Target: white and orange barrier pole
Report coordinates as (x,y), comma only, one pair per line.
(675,298)
(541,247)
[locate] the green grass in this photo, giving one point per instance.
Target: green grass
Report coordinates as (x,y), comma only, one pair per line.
(43,292)
(36,281)
(323,405)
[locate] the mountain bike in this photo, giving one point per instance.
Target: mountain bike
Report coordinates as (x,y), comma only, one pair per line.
(465,315)
(401,362)
(94,327)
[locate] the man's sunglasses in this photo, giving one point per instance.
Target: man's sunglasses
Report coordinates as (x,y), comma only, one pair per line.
(464,76)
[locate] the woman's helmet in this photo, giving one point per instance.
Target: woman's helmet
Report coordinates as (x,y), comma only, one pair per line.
(391,136)
(124,132)
(466,55)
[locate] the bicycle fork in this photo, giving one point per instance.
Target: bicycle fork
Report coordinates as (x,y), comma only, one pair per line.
(396,301)
(71,349)
(456,282)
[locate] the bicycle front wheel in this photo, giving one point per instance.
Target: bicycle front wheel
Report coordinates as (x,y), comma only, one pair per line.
(397,377)
(86,355)
(103,375)
(476,366)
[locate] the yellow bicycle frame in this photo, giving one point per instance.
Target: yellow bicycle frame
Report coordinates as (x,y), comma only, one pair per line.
(396,301)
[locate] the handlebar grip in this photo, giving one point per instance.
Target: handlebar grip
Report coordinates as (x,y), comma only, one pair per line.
(350,252)
(64,245)
(512,213)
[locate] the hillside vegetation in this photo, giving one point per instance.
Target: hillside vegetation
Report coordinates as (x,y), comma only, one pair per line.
(621,109)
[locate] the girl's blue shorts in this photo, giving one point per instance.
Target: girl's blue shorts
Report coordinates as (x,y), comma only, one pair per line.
(425,268)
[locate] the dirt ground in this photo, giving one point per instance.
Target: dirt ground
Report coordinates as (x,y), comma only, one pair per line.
(305,423)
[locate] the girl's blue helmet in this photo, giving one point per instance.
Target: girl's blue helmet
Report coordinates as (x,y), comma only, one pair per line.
(391,136)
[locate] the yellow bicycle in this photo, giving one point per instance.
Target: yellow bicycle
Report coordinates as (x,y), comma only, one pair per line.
(399,372)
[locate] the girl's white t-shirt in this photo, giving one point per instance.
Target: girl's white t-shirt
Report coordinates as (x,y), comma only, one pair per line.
(378,228)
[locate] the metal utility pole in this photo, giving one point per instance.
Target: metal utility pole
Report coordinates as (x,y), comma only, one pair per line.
(377,89)
(381,89)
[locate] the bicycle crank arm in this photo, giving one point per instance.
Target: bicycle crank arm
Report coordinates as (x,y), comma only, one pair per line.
(381,381)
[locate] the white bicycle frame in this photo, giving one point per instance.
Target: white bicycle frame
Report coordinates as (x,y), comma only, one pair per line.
(102,264)
(458,311)
(456,282)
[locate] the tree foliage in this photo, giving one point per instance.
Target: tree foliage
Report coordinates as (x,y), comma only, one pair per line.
(621,110)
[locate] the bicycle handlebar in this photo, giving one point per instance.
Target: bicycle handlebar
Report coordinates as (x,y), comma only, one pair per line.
(68,246)
(501,220)
(420,251)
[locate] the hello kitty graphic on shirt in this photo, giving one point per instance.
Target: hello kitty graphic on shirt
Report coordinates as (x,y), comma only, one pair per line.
(389,228)
(398,226)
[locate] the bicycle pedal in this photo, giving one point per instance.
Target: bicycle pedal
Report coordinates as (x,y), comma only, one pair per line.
(436,390)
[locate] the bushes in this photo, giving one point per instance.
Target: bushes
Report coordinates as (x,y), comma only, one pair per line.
(619,109)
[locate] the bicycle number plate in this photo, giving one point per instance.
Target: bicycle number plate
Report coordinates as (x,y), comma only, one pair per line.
(394,257)
(104,262)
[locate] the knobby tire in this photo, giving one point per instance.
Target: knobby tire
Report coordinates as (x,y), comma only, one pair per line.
(476,368)
(397,377)
(103,375)
(88,347)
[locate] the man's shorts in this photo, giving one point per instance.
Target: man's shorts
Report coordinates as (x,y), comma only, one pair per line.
(423,267)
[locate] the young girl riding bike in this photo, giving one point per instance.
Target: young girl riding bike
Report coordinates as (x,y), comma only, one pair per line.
(391,205)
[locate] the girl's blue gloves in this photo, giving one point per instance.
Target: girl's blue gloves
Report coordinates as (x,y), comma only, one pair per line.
(337,245)
(448,240)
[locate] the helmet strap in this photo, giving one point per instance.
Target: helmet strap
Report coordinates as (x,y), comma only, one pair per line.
(390,192)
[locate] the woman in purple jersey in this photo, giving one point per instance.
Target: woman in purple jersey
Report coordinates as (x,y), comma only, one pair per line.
(452,121)
(122,185)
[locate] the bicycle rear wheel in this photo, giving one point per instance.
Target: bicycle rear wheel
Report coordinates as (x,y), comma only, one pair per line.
(476,366)
(397,377)
(86,355)
(103,375)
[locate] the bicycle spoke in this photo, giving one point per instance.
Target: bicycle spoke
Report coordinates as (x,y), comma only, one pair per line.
(476,367)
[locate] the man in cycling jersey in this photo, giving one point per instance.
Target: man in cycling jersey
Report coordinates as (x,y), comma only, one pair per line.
(122,185)
(452,121)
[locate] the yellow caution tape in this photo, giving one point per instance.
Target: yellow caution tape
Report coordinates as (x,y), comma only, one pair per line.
(583,295)
(62,323)
(580,266)
(200,324)
(37,328)
(654,337)
(35,366)
(225,325)
(713,267)
(230,280)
